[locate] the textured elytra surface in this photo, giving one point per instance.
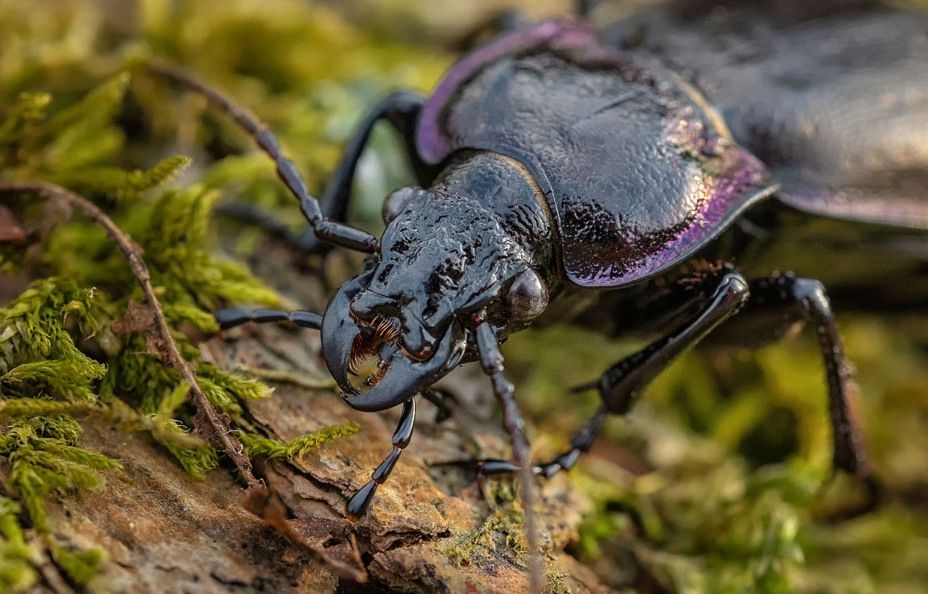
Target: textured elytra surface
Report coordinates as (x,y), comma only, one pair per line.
(836,107)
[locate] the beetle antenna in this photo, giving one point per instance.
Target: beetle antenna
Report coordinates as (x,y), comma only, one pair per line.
(325,229)
(491,359)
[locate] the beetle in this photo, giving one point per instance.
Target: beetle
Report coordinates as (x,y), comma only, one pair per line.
(638,180)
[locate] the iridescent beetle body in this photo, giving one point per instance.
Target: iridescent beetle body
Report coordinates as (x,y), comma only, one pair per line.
(570,178)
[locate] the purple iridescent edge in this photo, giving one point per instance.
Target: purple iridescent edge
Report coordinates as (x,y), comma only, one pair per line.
(431,143)
(732,193)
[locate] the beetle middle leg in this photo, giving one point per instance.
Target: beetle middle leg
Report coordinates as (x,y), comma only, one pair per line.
(620,386)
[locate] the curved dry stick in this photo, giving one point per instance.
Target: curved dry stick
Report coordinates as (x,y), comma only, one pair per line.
(211,424)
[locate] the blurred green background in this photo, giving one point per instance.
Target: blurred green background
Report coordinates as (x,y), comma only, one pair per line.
(720,480)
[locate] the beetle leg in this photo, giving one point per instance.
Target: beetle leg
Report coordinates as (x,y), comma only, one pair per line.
(806,300)
(401,109)
(230,318)
(361,500)
(325,229)
(439,398)
(581,443)
(621,384)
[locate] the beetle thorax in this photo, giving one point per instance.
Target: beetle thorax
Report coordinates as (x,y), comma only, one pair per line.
(442,256)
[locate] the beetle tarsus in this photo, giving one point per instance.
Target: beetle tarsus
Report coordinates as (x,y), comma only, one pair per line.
(581,443)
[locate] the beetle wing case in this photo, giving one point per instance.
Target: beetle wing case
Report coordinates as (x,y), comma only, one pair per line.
(639,169)
(836,105)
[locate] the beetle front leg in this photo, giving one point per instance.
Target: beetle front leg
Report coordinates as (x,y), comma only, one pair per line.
(401,109)
(361,500)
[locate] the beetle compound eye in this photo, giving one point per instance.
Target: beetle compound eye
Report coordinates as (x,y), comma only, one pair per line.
(396,201)
(527,297)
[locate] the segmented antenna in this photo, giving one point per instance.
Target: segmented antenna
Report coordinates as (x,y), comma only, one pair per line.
(325,229)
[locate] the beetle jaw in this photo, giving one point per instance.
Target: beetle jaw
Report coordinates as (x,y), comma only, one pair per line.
(368,360)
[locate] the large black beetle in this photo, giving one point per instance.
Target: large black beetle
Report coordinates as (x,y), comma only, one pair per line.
(645,183)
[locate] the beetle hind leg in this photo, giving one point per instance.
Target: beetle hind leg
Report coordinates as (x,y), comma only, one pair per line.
(802,299)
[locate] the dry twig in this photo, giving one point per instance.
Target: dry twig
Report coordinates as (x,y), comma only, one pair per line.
(211,424)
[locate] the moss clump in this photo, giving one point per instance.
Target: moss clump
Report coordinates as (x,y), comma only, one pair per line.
(258,445)
(17,557)
(503,529)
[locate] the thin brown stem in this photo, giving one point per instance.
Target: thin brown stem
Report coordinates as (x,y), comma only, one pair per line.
(210,423)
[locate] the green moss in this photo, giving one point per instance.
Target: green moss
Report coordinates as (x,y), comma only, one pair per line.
(258,445)
(17,557)
(44,459)
(502,530)
(120,184)
(81,566)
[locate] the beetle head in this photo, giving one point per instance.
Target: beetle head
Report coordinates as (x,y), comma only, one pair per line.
(405,321)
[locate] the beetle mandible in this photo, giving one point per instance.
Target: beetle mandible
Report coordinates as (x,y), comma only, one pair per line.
(560,174)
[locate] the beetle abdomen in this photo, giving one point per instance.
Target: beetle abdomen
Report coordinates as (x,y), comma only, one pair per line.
(639,171)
